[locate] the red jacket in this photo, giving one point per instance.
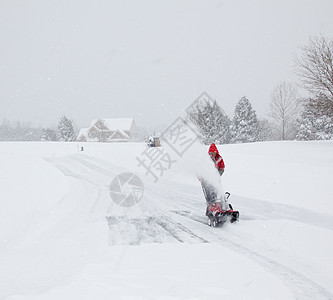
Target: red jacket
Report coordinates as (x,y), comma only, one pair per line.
(218,160)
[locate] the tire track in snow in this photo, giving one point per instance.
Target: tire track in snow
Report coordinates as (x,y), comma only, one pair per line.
(268,210)
(149,229)
(94,167)
(301,286)
(175,230)
(65,165)
(165,223)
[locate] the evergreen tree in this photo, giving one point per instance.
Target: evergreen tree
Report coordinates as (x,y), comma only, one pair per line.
(245,126)
(316,121)
(66,132)
(211,120)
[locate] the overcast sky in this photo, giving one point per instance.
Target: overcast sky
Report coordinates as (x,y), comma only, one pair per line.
(147,59)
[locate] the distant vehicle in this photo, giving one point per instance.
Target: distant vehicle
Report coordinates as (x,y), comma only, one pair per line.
(154,141)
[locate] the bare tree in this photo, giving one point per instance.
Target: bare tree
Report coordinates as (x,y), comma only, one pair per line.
(284,108)
(315,66)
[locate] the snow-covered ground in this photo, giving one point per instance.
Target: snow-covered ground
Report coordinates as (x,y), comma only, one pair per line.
(62,236)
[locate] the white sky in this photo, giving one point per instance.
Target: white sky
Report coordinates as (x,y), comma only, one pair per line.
(147,59)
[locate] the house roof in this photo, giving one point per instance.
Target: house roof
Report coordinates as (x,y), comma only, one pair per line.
(122,133)
(116,123)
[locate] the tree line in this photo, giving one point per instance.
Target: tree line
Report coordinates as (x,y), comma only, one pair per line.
(216,126)
(290,117)
(16,131)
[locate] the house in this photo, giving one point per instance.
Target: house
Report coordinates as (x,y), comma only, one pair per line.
(109,130)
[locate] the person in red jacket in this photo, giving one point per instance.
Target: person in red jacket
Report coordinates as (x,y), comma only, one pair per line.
(217,159)
(209,190)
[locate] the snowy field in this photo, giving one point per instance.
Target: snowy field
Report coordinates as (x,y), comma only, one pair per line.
(62,236)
